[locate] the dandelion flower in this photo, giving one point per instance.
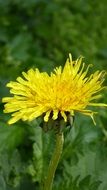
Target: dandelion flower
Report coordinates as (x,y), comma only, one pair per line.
(65,90)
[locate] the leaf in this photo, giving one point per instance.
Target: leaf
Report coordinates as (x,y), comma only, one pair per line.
(2,183)
(11,136)
(85,182)
(95,185)
(42,150)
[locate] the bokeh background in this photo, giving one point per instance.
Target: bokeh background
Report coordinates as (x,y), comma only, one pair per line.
(41,33)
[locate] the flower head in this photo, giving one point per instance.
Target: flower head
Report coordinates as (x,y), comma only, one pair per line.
(65,90)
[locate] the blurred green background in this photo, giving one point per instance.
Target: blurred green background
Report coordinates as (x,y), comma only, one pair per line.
(41,33)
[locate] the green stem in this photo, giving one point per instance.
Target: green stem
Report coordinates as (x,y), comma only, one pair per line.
(54,161)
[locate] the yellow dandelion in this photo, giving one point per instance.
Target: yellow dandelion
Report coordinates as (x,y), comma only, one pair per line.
(65,90)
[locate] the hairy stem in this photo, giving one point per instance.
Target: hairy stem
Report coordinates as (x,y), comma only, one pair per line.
(54,161)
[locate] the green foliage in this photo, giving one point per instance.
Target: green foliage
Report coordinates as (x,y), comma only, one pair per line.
(41,33)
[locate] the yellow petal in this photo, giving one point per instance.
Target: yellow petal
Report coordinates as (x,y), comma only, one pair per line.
(89,113)
(55,114)
(64,116)
(46,117)
(98,104)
